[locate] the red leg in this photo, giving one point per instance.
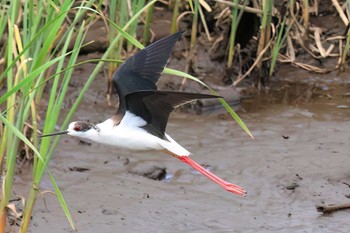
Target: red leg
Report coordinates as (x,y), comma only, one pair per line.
(224,184)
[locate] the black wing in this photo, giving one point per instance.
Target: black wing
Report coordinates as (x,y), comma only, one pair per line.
(142,71)
(155,107)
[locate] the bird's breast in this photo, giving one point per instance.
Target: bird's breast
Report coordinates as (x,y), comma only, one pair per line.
(134,138)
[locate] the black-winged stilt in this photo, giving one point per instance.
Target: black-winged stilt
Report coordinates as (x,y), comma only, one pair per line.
(143,112)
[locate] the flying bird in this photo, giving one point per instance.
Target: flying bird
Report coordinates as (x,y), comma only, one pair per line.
(143,112)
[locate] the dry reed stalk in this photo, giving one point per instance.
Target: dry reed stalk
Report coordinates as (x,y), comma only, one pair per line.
(340,12)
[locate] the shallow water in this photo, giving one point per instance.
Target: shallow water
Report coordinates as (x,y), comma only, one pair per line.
(298,159)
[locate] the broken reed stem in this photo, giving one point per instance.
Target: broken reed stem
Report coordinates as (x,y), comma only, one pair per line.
(331,208)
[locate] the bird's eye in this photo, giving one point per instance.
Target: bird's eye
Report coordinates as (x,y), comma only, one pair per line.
(77,128)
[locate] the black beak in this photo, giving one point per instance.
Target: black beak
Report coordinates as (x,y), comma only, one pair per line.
(53,134)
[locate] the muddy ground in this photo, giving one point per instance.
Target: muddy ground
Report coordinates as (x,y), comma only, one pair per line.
(298,159)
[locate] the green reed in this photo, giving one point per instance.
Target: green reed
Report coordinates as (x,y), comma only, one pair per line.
(265,29)
(236,15)
(175,16)
(279,42)
(29,59)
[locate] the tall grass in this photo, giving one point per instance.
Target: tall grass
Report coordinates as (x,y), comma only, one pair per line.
(265,29)
(236,15)
(30,57)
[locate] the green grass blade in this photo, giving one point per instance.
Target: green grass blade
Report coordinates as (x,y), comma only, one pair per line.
(62,201)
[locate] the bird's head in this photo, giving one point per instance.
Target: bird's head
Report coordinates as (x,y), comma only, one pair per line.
(80,129)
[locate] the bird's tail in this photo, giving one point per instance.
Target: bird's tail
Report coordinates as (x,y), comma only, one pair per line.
(174,147)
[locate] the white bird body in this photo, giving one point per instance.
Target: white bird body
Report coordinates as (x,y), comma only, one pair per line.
(128,134)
